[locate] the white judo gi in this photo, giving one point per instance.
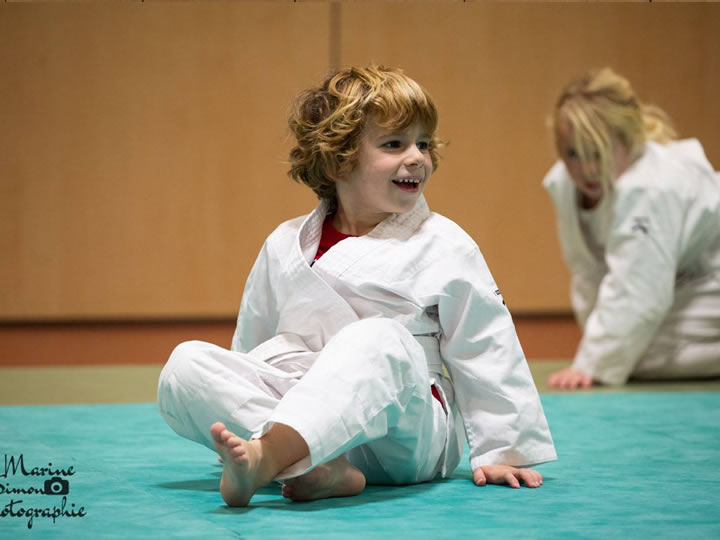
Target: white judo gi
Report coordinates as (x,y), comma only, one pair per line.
(345,351)
(646,276)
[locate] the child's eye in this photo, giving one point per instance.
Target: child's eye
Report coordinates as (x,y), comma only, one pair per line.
(571,153)
(392,144)
(424,146)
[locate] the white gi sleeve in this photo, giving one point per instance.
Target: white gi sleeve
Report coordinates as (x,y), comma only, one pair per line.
(637,292)
(258,315)
(583,294)
(586,272)
(494,390)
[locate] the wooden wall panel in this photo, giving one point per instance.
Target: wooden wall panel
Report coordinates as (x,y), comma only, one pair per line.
(495,70)
(142,152)
(142,144)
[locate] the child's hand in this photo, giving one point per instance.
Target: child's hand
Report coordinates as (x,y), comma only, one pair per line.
(569,379)
(504,474)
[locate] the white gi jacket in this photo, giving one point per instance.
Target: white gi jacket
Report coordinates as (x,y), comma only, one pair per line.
(423,271)
(649,304)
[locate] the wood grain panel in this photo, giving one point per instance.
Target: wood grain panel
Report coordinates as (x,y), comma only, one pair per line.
(142,152)
(142,145)
(495,70)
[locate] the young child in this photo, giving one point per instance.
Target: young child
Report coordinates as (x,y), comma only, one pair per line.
(639,222)
(335,376)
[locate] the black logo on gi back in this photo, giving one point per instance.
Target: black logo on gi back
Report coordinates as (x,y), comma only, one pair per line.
(640,224)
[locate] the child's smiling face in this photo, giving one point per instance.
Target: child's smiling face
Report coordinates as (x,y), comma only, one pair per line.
(392,170)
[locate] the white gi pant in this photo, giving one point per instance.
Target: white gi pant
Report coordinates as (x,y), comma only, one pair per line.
(687,344)
(366,394)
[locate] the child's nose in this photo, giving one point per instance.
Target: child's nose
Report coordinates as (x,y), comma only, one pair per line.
(414,157)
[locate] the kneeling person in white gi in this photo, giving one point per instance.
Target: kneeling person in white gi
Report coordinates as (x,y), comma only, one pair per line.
(335,377)
(638,216)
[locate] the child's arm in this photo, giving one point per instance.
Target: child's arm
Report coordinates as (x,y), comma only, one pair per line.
(258,315)
(642,254)
(494,390)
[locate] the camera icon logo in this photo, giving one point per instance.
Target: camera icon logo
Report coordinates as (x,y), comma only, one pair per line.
(57,486)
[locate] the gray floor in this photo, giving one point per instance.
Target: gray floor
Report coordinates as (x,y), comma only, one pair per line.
(137,384)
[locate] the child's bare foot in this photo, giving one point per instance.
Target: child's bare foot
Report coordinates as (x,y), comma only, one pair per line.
(336,478)
(243,473)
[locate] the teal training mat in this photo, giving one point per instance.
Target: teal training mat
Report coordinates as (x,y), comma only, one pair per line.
(636,465)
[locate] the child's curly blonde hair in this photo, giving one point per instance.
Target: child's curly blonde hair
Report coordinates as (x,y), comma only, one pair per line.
(328,121)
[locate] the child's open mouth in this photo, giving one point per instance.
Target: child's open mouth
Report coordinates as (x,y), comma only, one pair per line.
(408,184)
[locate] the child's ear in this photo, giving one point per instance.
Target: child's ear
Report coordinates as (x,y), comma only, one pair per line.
(333,174)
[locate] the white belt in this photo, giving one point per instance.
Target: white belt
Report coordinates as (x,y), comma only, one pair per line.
(281,344)
(286,343)
(431,346)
